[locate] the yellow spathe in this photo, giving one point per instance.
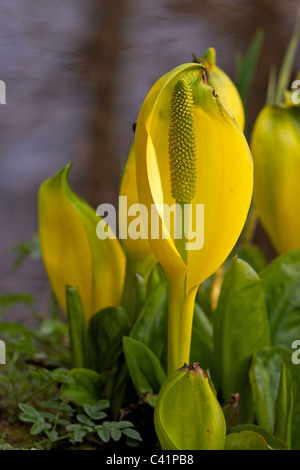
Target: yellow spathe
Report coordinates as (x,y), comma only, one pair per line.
(71,251)
(224,173)
(275,146)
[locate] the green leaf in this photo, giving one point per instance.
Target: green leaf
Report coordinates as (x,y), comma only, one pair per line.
(29,411)
(246,440)
(281,286)
(53,435)
(104,434)
(151,327)
(87,387)
(271,440)
(9,300)
(141,291)
(83,419)
(240,329)
(79,433)
(132,433)
(115,432)
(145,370)
(124,424)
(265,375)
(37,427)
(203,297)
(106,330)
(157,277)
(284,407)
(202,345)
(77,328)
(253,256)
(246,67)
(271,90)
(288,62)
(29,248)
(95,412)
(118,387)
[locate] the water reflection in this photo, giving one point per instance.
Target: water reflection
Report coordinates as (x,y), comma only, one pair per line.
(76,74)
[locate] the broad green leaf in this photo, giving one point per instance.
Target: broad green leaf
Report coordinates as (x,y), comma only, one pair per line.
(118,387)
(271,440)
(156,278)
(202,346)
(77,328)
(240,329)
(281,286)
(253,256)
(284,407)
(265,375)
(151,327)
(106,330)
(246,67)
(246,440)
(203,297)
(141,291)
(145,370)
(87,387)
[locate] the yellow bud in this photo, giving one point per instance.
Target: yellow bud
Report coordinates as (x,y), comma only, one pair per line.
(138,251)
(275,147)
(223,85)
(71,251)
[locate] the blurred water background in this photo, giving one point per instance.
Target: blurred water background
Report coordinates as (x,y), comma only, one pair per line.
(76,74)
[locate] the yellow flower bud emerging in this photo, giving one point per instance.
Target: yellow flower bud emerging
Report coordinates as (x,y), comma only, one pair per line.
(71,251)
(223,85)
(275,147)
(187,413)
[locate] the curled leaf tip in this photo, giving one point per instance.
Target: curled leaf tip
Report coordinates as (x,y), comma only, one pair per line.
(182,143)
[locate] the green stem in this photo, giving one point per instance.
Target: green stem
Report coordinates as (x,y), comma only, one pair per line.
(186,327)
(176,302)
(181,306)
